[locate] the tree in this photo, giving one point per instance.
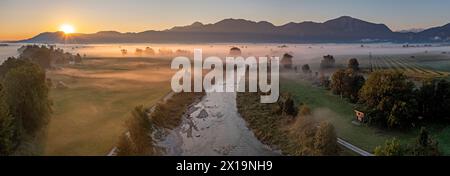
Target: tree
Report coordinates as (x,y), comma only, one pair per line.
(347,83)
(325,140)
(138,139)
(425,145)
(26,93)
(149,51)
(328,61)
(390,148)
(78,59)
(434,99)
(337,82)
(289,106)
(7,128)
(306,69)
(353,64)
(9,64)
(286,61)
(303,130)
(324,81)
(389,98)
(286,105)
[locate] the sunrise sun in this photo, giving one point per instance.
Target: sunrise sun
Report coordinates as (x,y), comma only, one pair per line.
(67,28)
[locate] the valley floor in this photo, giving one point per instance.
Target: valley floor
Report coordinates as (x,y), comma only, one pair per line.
(91,101)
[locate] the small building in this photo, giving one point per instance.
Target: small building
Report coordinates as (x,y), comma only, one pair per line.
(359,116)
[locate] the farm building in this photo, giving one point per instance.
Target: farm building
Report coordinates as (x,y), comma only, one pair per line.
(360,116)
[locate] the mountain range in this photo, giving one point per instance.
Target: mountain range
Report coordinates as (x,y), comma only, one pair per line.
(344,29)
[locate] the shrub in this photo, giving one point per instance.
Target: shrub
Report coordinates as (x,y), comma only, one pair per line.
(390,148)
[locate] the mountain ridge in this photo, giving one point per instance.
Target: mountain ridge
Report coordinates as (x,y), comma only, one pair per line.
(342,29)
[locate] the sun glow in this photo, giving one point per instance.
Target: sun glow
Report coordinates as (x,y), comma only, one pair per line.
(67,28)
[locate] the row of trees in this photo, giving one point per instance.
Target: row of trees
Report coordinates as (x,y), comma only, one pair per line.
(47,57)
(392,100)
(25,106)
(389,98)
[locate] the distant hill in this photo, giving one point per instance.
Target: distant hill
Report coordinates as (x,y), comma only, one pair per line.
(339,30)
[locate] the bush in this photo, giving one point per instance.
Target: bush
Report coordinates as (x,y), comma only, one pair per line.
(325,140)
(424,146)
(390,148)
(312,138)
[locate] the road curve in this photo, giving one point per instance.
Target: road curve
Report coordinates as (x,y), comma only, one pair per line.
(353,148)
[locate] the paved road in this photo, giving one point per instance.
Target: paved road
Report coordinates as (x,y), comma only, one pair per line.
(354,148)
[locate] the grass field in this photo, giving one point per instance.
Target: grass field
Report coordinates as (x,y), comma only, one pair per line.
(340,113)
(89,114)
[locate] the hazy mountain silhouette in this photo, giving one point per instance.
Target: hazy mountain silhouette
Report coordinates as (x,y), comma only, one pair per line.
(342,29)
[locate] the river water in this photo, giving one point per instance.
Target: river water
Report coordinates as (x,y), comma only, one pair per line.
(214,127)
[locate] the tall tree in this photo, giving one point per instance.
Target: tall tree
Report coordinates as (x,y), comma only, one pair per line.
(389,98)
(353,64)
(347,83)
(434,99)
(425,145)
(306,69)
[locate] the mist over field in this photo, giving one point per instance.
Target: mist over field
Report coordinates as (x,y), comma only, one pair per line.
(301,52)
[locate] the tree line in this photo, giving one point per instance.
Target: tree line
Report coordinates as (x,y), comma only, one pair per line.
(25,106)
(390,99)
(48,57)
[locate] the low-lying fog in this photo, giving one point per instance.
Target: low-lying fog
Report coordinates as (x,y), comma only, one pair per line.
(301,52)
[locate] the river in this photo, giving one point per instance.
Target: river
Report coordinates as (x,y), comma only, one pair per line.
(214,127)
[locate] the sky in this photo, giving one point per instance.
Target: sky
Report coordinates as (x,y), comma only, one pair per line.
(21,19)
